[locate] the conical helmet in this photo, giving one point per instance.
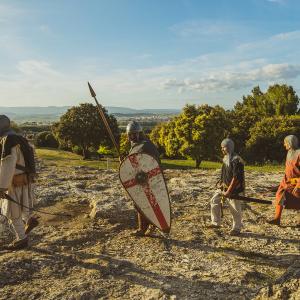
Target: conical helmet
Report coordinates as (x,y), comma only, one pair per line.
(133,127)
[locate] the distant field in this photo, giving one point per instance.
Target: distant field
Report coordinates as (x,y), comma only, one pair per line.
(61,158)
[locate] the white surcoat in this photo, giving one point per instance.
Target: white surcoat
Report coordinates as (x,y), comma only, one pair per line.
(21,194)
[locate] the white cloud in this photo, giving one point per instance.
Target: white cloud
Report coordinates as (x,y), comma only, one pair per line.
(12,41)
(277,71)
(202,29)
(143,56)
(9,13)
(38,82)
(275,42)
(209,30)
(286,36)
(36,68)
(278,1)
(41,82)
(44,28)
(236,80)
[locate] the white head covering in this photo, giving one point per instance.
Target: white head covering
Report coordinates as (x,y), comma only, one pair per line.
(229,144)
(292,140)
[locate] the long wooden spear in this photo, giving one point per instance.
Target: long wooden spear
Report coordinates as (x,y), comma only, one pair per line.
(102,116)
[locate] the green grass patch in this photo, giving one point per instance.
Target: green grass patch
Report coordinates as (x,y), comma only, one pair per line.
(188,164)
(266,168)
(62,158)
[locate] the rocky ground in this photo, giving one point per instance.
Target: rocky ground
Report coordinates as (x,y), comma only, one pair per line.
(93,254)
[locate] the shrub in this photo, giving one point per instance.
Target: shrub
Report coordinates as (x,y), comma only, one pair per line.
(46,139)
(266,138)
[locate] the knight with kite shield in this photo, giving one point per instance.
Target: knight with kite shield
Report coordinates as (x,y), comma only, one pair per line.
(142,178)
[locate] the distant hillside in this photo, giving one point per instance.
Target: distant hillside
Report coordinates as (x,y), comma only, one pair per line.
(52,113)
(126,110)
(34,110)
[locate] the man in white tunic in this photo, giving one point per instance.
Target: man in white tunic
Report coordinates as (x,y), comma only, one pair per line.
(15,184)
(232,182)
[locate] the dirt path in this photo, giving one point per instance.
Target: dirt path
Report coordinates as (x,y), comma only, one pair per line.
(93,255)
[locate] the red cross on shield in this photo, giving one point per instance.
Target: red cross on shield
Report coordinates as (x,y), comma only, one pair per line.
(142,178)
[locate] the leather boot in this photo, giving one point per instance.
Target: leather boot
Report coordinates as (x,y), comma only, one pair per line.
(142,225)
(278,213)
(274,222)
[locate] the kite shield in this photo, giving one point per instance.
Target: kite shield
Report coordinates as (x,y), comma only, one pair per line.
(142,178)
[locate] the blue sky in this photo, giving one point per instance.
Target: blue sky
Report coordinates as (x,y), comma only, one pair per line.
(145,54)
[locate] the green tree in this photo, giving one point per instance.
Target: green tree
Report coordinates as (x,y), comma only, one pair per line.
(81,126)
(63,144)
(124,144)
(155,137)
(242,118)
(266,138)
(46,139)
(279,100)
(201,130)
(283,100)
(166,140)
(107,151)
(171,140)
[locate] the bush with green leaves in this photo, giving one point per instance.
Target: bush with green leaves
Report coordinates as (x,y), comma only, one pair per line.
(46,139)
(107,151)
(81,126)
(200,131)
(196,133)
(77,150)
(278,100)
(124,144)
(266,138)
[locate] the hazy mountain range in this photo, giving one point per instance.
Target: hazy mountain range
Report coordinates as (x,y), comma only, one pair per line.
(52,113)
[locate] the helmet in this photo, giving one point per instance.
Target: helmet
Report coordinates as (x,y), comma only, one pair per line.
(133,126)
(4,124)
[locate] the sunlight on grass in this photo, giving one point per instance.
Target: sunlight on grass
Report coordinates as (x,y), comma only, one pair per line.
(62,158)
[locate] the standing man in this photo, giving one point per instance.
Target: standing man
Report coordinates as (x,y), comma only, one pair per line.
(288,193)
(15,184)
(231,183)
(140,144)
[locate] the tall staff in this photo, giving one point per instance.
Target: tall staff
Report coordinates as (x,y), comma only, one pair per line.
(102,115)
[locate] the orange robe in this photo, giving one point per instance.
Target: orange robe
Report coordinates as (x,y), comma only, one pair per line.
(284,195)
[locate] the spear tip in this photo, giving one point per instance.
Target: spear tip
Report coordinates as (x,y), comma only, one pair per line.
(91,90)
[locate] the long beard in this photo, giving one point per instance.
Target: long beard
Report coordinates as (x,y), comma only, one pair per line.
(227,159)
(292,154)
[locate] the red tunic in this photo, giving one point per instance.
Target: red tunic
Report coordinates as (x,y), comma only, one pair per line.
(284,195)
